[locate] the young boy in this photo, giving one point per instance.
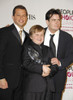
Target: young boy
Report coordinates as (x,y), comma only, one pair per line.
(37,83)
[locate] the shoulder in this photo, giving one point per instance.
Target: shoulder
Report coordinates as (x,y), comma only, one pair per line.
(27,44)
(3,29)
(4,32)
(45,28)
(47,51)
(65,34)
(46,48)
(6,29)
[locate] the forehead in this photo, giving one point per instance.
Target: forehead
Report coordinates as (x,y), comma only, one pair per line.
(18,10)
(55,16)
(39,32)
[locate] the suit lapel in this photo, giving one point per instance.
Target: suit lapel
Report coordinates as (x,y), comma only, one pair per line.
(25,35)
(60,45)
(15,33)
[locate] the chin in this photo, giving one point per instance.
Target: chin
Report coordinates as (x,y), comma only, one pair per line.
(56,29)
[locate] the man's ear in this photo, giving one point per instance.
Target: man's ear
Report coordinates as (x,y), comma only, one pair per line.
(47,22)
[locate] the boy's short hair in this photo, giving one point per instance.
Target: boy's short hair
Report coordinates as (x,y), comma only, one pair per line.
(36,28)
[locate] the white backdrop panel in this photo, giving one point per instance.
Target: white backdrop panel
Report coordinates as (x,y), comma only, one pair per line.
(37,10)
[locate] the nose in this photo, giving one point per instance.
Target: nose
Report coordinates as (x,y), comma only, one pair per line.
(21,17)
(56,21)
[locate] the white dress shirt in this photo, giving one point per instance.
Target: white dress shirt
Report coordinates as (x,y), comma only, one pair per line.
(55,39)
(23,34)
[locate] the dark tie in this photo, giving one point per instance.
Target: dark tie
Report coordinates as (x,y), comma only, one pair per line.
(52,46)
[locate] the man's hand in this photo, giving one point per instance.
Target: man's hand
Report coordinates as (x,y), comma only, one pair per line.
(55,61)
(46,70)
(3,83)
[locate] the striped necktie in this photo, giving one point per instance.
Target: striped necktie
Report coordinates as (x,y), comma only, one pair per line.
(20,33)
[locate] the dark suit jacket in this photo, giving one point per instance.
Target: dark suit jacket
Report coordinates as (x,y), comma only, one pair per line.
(65,55)
(33,80)
(10,55)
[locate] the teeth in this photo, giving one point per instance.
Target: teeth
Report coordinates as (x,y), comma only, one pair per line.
(21,21)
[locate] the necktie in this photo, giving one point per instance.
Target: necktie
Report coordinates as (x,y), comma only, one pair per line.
(52,46)
(20,33)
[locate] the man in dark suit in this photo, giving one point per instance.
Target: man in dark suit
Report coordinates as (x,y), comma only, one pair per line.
(11,44)
(63,49)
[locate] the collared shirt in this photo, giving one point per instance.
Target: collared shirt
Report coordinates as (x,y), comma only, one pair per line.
(55,39)
(23,34)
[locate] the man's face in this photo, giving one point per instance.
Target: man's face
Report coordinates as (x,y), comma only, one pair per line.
(20,17)
(54,23)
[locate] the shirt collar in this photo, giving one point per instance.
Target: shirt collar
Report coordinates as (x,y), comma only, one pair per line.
(18,29)
(56,33)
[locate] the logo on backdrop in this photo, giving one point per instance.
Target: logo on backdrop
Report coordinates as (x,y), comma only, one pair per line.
(70,72)
(67,14)
(31,17)
(67,20)
(69,84)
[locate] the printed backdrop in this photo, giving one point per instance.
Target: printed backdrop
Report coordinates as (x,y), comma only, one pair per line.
(37,10)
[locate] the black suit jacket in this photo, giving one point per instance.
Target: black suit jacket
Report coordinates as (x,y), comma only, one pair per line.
(65,55)
(33,80)
(10,55)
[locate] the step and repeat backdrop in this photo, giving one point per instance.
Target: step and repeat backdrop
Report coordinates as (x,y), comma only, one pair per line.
(37,10)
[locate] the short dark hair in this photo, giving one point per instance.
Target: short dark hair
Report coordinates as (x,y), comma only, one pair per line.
(19,7)
(36,28)
(51,12)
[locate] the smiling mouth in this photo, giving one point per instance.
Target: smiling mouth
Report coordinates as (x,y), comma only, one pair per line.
(21,21)
(39,40)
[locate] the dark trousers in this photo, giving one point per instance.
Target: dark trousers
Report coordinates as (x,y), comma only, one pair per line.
(10,94)
(57,95)
(37,96)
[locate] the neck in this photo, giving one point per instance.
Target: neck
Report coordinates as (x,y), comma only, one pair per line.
(52,31)
(21,28)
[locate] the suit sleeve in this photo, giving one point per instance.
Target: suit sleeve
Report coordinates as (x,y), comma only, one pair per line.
(3,46)
(54,68)
(68,56)
(29,64)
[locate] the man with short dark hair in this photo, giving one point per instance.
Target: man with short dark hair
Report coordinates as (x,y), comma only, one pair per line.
(61,43)
(12,39)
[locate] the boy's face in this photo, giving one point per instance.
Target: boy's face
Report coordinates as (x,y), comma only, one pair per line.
(38,37)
